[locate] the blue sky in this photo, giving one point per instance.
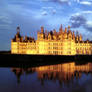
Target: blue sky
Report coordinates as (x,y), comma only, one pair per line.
(30,15)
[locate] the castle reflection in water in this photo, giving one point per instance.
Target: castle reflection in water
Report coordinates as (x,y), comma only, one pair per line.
(61,72)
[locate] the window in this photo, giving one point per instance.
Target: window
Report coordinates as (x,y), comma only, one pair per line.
(69,52)
(55,52)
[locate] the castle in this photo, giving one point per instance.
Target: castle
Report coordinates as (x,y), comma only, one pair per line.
(64,42)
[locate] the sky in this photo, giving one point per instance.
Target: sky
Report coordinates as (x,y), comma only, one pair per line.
(30,15)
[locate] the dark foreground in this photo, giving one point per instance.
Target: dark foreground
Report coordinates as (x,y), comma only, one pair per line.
(37,60)
(44,73)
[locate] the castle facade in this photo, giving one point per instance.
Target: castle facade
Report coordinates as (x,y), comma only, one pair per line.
(64,42)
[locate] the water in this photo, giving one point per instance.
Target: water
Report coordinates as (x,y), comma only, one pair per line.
(67,77)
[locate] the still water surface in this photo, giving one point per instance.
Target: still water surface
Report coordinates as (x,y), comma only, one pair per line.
(67,77)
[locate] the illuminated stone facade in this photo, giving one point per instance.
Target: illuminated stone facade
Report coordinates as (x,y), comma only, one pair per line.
(64,42)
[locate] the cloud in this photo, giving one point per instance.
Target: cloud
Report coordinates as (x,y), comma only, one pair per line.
(77,0)
(45,8)
(5,22)
(4,26)
(55,0)
(87,12)
(44,13)
(82,12)
(5,19)
(58,1)
(85,3)
(54,11)
(77,21)
(48,10)
(88,26)
(64,2)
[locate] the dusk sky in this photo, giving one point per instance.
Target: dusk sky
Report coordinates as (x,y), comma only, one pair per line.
(30,15)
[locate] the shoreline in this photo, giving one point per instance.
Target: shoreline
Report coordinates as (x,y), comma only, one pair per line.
(38,60)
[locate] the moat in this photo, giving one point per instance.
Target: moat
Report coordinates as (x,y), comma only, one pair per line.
(64,77)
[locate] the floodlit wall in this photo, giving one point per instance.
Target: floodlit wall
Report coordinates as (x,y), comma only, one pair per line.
(50,47)
(64,42)
(14,47)
(83,48)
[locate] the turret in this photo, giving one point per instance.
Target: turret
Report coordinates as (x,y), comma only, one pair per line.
(26,38)
(60,32)
(54,34)
(69,35)
(87,41)
(77,36)
(49,36)
(61,29)
(18,36)
(22,38)
(80,37)
(65,34)
(18,30)
(38,35)
(42,33)
(42,29)
(73,36)
(46,34)
(65,30)
(68,28)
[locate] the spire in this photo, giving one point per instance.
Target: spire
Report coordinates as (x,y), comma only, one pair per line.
(77,33)
(69,31)
(61,26)
(46,33)
(77,36)
(61,29)
(68,27)
(25,38)
(18,36)
(87,40)
(54,31)
(73,35)
(49,35)
(65,30)
(18,29)
(80,37)
(42,29)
